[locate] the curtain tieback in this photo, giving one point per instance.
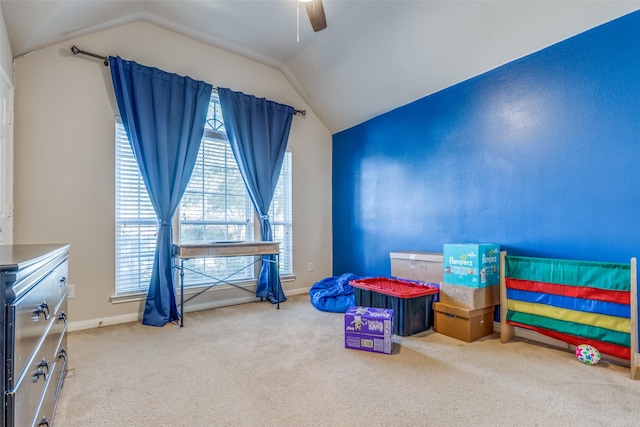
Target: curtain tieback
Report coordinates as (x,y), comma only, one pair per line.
(264,217)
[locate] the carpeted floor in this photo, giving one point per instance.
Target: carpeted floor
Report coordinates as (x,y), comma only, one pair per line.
(253,365)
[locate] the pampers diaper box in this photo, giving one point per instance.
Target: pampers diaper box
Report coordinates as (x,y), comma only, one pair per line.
(476,265)
(369,329)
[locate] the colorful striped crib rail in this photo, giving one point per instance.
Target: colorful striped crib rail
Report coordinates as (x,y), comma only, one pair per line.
(578,302)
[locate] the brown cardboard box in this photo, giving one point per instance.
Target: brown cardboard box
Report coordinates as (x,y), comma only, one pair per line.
(463,324)
(469,298)
(415,265)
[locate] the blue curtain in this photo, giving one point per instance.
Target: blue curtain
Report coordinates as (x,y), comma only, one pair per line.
(164,115)
(258,131)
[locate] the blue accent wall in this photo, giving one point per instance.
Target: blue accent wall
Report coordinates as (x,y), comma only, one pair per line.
(541,155)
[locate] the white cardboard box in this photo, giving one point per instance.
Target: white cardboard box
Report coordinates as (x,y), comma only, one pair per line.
(468,297)
(416,265)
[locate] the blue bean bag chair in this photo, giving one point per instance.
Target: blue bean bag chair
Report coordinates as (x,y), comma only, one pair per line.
(333,294)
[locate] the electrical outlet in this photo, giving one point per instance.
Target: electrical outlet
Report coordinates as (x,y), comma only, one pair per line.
(310,267)
(71,291)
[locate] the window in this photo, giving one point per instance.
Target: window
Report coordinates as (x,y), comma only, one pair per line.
(136,221)
(215,207)
(280,214)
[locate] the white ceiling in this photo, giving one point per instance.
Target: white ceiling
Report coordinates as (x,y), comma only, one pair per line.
(374,55)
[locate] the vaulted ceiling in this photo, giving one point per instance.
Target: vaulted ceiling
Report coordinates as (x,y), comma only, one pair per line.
(373,56)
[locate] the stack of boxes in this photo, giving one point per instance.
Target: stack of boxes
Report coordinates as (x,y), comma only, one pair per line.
(469,292)
(469,279)
(387,306)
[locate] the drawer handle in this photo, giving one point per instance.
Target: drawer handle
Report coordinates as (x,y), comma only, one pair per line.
(63,281)
(42,309)
(44,363)
(62,317)
(44,422)
(62,354)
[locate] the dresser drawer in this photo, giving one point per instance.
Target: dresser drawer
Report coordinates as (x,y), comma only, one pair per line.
(62,273)
(34,406)
(59,328)
(34,385)
(29,319)
(46,411)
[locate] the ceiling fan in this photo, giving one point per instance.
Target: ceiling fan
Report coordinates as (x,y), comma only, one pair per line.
(315,10)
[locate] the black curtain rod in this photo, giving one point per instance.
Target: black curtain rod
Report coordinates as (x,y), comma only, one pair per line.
(76,51)
(105,60)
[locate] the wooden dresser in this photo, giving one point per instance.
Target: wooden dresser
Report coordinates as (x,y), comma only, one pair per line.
(34,325)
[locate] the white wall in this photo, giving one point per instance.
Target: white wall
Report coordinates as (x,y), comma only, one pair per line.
(64,157)
(6,57)
(6,136)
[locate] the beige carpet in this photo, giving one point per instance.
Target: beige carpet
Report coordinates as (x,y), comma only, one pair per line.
(253,365)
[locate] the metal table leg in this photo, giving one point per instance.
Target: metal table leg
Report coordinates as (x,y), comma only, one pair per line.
(181,293)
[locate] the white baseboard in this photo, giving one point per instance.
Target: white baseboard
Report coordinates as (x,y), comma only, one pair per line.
(137,317)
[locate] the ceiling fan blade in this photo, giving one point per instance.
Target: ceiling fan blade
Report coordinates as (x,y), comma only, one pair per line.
(315,10)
